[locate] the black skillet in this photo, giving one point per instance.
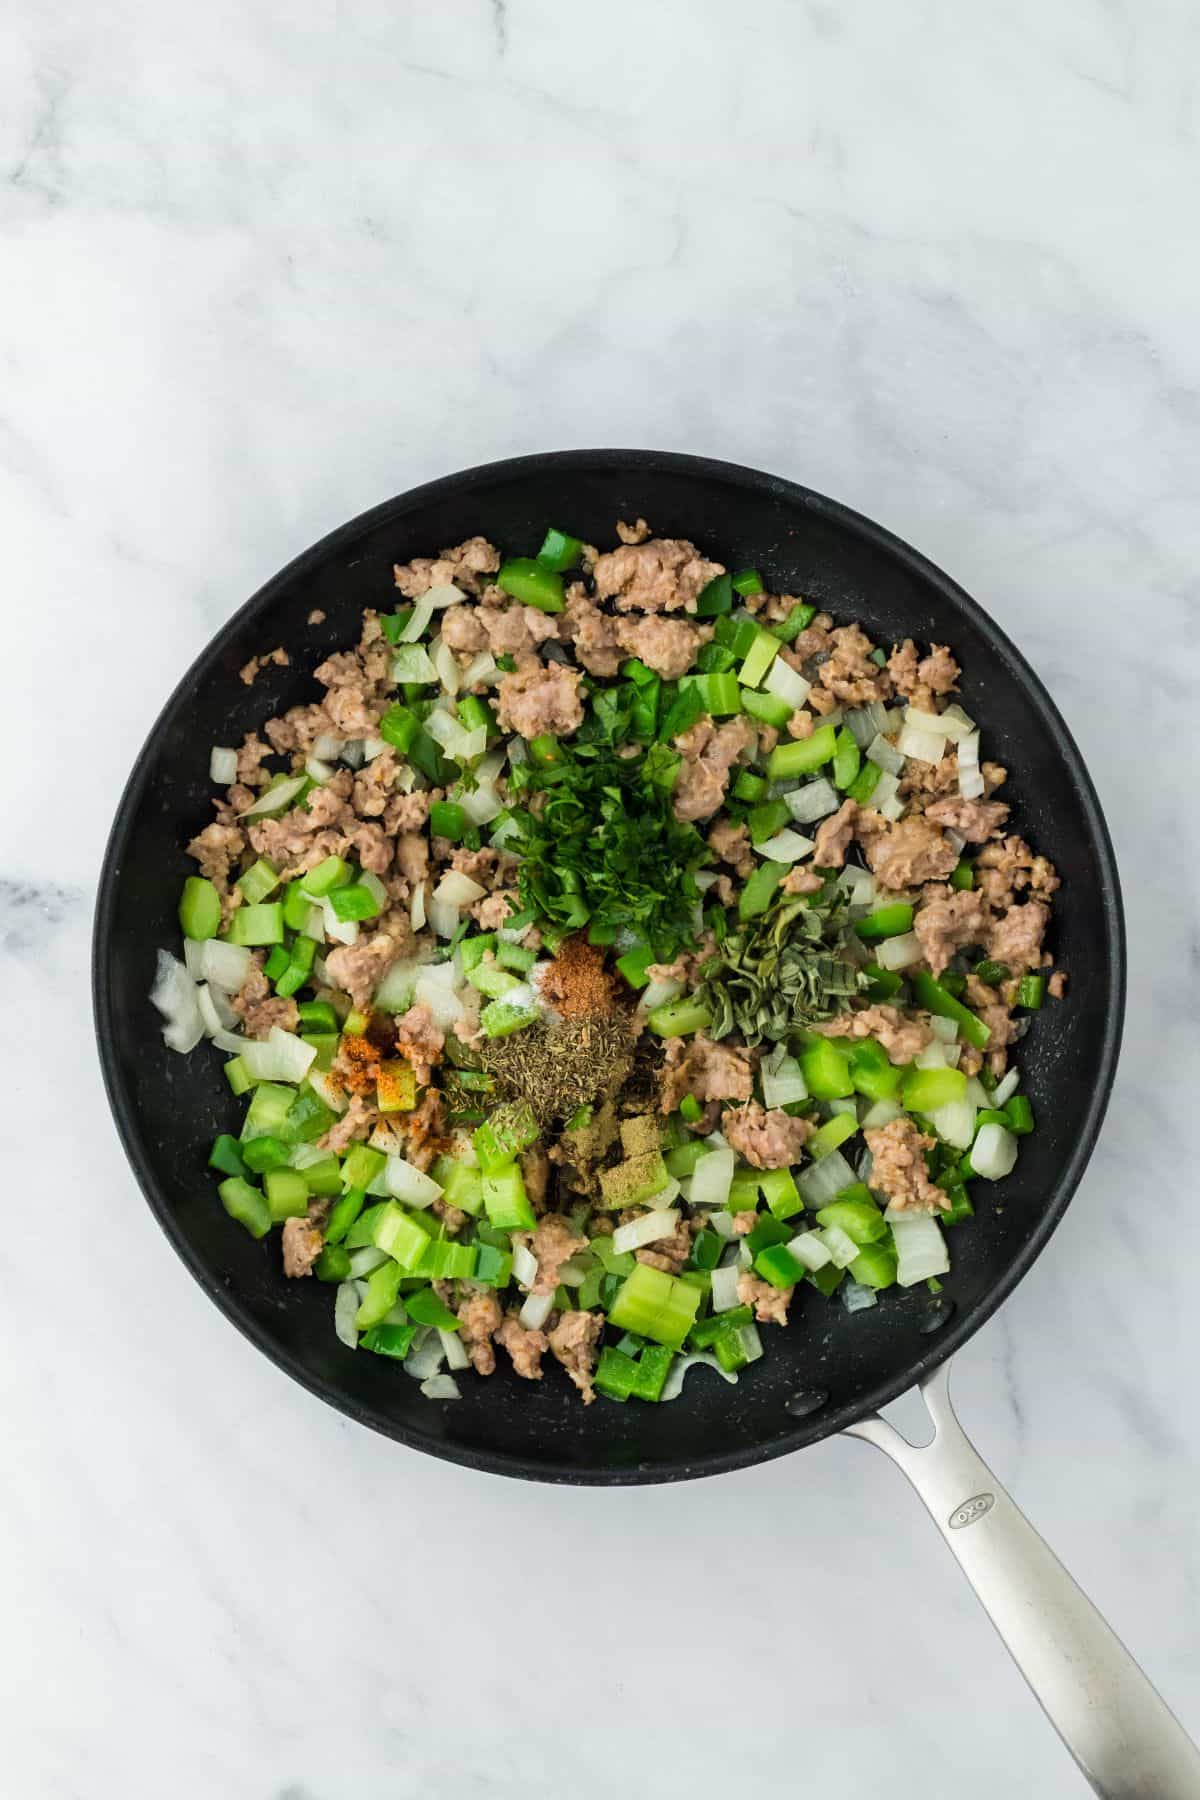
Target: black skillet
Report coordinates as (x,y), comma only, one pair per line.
(830,1371)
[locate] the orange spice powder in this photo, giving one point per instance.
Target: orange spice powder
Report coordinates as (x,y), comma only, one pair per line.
(576,984)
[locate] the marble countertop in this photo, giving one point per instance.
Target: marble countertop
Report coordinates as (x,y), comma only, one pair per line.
(267,264)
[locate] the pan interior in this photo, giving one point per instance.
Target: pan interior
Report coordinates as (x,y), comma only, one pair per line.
(169,1108)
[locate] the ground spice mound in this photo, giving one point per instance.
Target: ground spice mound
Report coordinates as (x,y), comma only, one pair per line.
(560,1067)
(576,984)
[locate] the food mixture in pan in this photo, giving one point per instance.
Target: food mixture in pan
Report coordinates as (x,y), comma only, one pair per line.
(612,957)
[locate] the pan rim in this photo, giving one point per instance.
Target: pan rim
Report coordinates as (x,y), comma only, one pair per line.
(1112,950)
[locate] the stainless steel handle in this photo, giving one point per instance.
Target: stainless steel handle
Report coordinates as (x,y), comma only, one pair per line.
(1120,1731)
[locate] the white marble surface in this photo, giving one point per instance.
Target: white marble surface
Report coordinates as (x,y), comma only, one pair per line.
(264,264)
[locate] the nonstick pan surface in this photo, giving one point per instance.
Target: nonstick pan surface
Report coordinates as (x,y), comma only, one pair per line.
(829,1368)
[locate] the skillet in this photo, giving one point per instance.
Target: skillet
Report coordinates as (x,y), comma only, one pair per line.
(830,1371)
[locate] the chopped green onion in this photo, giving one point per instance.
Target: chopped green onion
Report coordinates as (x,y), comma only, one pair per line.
(1031,991)
(847,759)
(992,973)
(748,582)
(257,925)
(934,997)
(199,909)
(716,598)
(1019,1115)
(962,876)
(803,755)
(885,922)
(559,551)
(798,620)
(864,783)
(532,583)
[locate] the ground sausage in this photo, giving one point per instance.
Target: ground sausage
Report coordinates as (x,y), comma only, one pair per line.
(767,1140)
(668,646)
(358,1121)
(730,840)
(465,566)
(1010,867)
(799,880)
(554,1242)
(574,1342)
(538,699)
(898,1167)
(901,1037)
(357,969)
(661,575)
(948,920)
(834,835)
(479,1317)
(302,1244)
(770,1303)
(258,1007)
(709,752)
(525,1347)
(216,849)
(849,674)
(420,1041)
(1016,937)
(975,820)
(905,854)
(707,1070)
(594,634)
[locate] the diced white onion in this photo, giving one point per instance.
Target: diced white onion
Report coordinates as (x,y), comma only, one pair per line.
(395,992)
(955,1122)
(479,670)
(953,1055)
(536,1311)
(441,917)
(215,1010)
(813,801)
(443,1003)
(342,931)
(422,613)
(856,1297)
(426,1356)
(922,746)
(720,1222)
(352,753)
(225,965)
(327,1090)
(365,1261)
(956,724)
(892,809)
(787,684)
(808,1249)
(885,796)
(174,994)
(882,1113)
(416,907)
(193,956)
(822,1180)
(441,1387)
(327,747)
(574,1272)
(1005,1089)
(373,747)
(413,663)
(648,1228)
(885,756)
(971,785)
(920,1249)
(900,952)
(968,751)
(276,799)
(929,724)
(409,1184)
(673,1385)
(751,1342)
(783,1081)
(712,1178)
(785,847)
(861,725)
(504,829)
(345,1308)
(281,1056)
(946,1030)
(525,1265)
(657,993)
(859,884)
(933,1056)
(318,771)
(482,804)
(745,1256)
(457,889)
(724,1292)
(222,766)
(443,595)
(840,1245)
(452,1345)
(994,1152)
(460,743)
(446,664)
